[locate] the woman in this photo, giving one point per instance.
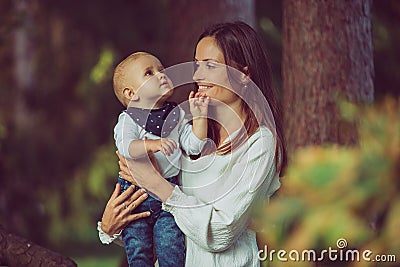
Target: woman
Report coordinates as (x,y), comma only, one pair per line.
(220,189)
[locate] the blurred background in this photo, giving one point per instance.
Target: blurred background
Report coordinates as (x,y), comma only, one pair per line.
(57,107)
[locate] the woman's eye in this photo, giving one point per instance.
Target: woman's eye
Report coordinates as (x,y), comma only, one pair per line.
(210,66)
(196,66)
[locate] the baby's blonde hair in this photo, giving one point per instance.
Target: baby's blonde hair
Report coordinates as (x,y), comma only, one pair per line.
(120,76)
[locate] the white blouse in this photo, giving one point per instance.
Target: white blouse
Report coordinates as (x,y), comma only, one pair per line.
(214,205)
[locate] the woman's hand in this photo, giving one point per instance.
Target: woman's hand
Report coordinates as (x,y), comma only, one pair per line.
(127,174)
(144,172)
(117,213)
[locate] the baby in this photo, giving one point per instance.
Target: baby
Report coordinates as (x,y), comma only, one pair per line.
(150,124)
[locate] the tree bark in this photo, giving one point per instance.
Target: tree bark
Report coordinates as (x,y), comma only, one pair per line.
(17,251)
(24,58)
(188,20)
(327,52)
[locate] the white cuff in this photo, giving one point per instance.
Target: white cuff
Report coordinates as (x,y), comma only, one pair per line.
(173,201)
(106,239)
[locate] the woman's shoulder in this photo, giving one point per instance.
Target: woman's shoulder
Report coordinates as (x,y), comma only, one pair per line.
(262,139)
(263,134)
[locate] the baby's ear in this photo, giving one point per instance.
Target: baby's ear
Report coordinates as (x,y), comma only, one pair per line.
(130,94)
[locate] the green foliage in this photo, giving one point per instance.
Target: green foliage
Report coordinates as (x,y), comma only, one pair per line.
(103,167)
(96,261)
(103,66)
(343,192)
(84,197)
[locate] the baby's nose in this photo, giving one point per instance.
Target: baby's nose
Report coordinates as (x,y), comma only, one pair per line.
(161,75)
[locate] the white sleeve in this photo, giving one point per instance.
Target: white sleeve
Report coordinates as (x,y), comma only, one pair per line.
(216,226)
(124,132)
(106,239)
(190,143)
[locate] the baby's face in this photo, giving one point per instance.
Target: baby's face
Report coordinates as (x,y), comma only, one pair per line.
(147,79)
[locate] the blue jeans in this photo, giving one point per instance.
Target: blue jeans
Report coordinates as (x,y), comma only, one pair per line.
(159,229)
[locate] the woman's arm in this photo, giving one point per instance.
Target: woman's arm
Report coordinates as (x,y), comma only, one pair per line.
(146,175)
(216,226)
(117,213)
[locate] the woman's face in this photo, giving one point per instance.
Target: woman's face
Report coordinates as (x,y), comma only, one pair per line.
(211,73)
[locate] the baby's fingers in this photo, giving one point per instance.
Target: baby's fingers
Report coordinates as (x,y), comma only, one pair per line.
(168,148)
(172,143)
(171,146)
(202,95)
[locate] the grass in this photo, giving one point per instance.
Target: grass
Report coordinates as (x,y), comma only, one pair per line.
(95,254)
(93,261)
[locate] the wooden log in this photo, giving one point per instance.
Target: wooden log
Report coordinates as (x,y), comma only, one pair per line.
(17,251)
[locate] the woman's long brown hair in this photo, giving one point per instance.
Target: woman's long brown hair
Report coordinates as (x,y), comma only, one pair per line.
(243,47)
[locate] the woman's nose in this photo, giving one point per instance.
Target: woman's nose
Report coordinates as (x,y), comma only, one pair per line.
(198,72)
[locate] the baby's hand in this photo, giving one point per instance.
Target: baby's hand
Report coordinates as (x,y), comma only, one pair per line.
(165,145)
(198,104)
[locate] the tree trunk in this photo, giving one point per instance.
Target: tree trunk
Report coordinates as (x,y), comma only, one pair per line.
(188,20)
(327,52)
(24,57)
(17,251)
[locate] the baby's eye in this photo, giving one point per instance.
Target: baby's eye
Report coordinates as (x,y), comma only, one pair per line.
(148,73)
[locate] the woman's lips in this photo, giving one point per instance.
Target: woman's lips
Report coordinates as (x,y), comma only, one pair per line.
(203,88)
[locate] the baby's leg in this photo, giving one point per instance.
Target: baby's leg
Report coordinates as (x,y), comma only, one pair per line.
(169,241)
(138,242)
